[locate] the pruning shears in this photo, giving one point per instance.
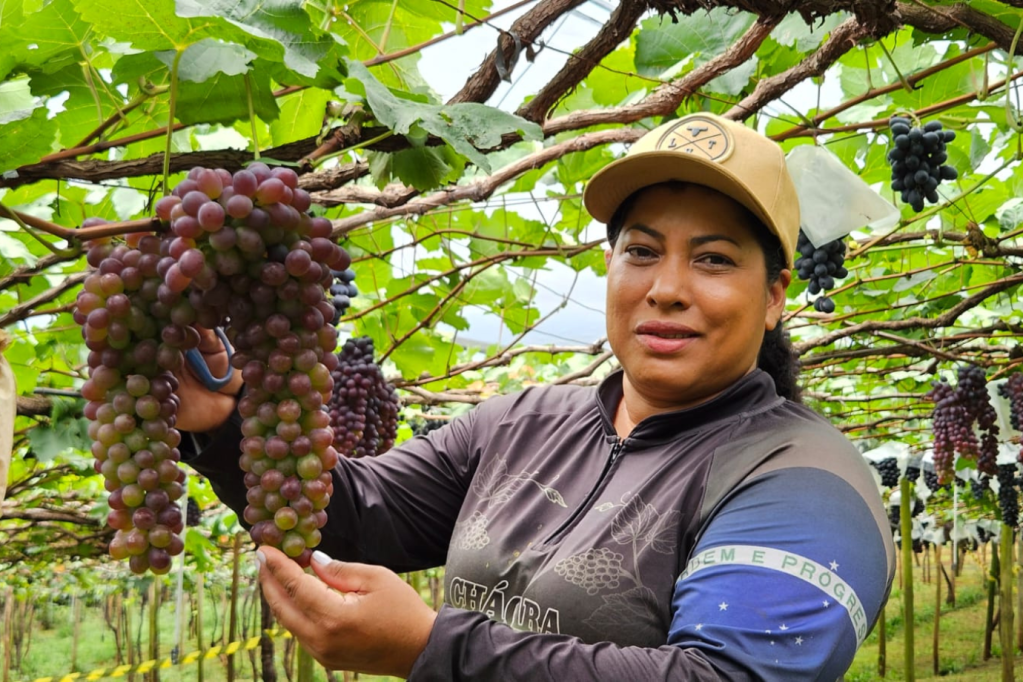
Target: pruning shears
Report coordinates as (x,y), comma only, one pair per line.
(197,361)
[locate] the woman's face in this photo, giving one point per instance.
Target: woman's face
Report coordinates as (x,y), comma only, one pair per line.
(687,295)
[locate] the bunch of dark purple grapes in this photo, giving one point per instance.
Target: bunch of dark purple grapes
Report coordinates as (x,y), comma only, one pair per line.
(955,412)
(134,343)
(931,481)
(342,291)
(821,266)
(918,159)
(1008,494)
(1012,390)
(364,408)
(889,470)
(973,395)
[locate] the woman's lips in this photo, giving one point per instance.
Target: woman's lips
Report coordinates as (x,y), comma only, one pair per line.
(665,344)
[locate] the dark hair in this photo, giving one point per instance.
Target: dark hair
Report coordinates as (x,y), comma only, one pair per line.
(776,355)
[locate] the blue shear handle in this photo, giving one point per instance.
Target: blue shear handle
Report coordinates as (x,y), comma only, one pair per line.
(201,369)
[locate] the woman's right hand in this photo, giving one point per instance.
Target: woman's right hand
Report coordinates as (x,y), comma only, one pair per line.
(201,409)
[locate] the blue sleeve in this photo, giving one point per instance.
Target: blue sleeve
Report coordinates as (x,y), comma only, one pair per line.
(786,580)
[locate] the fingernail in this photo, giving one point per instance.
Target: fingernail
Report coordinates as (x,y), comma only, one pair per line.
(321,558)
(260,558)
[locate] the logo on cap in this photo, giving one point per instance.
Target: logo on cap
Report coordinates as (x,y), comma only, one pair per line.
(698,136)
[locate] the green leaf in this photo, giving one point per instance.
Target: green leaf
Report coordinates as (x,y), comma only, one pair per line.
(202,60)
(465,127)
(270,27)
(145,24)
(83,110)
(661,44)
(11,20)
(979,147)
(222,99)
(50,440)
(420,167)
(301,115)
(55,29)
(26,141)
(793,31)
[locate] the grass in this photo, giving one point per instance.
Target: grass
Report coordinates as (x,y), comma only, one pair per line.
(961,644)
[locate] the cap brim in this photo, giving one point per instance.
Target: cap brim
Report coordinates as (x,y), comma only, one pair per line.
(616,181)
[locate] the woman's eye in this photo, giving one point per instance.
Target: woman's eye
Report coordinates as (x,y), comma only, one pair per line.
(640,252)
(715,259)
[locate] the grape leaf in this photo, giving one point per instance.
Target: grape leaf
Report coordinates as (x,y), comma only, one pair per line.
(222,99)
(631,606)
(663,537)
(48,441)
(26,140)
(301,115)
(270,26)
(633,521)
(208,57)
(82,110)
(466,126)
(146,24)
(662,44)
(55,29)
(420,167)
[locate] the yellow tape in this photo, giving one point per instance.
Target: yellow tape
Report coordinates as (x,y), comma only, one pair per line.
(190,657)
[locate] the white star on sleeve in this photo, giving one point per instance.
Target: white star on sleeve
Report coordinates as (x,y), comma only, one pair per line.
(799,641)
(723,606)
(783,627)
(833,565)
(826,603)
(699,626)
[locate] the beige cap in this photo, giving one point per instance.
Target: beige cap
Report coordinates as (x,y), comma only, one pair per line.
(707,150)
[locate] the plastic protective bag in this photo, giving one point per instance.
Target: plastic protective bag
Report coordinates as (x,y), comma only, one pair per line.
(834,201)
(8,408)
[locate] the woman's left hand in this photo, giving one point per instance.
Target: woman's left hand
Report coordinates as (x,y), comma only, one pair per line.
(374,623)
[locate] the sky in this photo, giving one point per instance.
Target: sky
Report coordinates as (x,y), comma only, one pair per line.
(446,66)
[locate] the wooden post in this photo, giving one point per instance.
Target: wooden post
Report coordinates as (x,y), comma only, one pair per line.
(266,643)
(1005,628)
(154,629)
(1019,592)
(130,640)
(305,665)
(992,584)
(234,603)
(937,609)
(198,622)
(906,533)
(8,632)
(882,643)
(76,618)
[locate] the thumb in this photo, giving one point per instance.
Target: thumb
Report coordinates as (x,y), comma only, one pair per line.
(344,576)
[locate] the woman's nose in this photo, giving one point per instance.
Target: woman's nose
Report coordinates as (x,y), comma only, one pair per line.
(669,288)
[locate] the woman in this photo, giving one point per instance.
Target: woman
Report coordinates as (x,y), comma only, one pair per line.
(687,519)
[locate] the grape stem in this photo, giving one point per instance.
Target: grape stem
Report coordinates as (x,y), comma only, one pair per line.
(170,121)
(23,224)
(252,117)
(28,222)
(1016,124)
(902,79)
(119,115)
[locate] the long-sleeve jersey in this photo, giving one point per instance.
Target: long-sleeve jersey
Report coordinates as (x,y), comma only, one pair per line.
(743,538)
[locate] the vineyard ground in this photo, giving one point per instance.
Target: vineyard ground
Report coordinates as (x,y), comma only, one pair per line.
(961,644)
(962,636)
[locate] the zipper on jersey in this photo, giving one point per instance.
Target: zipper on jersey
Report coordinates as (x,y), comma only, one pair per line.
(616,451)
